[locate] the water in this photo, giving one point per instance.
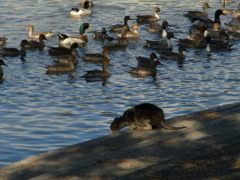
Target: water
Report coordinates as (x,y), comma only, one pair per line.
(41,112)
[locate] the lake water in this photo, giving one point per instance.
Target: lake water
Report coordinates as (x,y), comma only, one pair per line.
(41,112)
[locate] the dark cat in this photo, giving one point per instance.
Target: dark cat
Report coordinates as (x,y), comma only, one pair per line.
(142,116)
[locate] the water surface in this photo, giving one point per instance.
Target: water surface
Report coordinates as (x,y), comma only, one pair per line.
(41,112)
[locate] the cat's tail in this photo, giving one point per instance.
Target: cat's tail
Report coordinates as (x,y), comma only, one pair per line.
(169,127)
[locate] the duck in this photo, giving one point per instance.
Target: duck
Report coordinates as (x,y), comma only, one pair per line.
(163,31)
(148,61)
(174,55)
(104,73)
(144,71)
(116,42)
(77,12)
(13,52)
(57,51)
(98,57)
(142,19)
(203,13)
(63,67)
(99,35)
(216,24)
(199,31)
(232,35)
(233,27)
(36,44)
(47,34)
(189,43)
(64,59)
(2,40)
(132,34)
(89,2)
(216,47)
(164,44)
(233,12)
(66,39)
(119,27)
(1,69)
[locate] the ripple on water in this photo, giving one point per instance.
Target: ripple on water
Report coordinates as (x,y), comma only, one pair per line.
(42,112)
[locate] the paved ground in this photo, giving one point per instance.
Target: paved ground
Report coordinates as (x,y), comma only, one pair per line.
(209,149)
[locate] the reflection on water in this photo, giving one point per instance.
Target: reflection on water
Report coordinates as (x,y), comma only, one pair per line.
(41,112)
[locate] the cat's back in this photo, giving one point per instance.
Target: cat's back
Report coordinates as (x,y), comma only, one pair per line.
(147,107)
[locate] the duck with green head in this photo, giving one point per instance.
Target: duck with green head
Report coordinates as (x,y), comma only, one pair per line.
(66,39)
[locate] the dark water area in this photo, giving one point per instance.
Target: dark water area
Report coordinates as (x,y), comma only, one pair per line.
(41,112)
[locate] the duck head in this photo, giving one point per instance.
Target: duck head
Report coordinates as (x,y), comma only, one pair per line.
(83,27)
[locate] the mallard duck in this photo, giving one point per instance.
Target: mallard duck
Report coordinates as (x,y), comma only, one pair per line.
(216,24)
(63,67)
(83,2)
(119,27)
(76,12)
(13,52)
(47,34)
(2,40)
(1,69)
(104,73)
(36,44)
(216,47)
(100,35)
(202,13)
(98,57)
(132,34)
(148,61)
(56,51)
(164,44)
(149,18)
(174,55)
(116,42)
(66,39)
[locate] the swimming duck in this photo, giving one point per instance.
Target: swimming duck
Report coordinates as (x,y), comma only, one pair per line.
(164,44)
(83,2)
(144,71)
(98,57)
(216,47)
(119,27)
(189,43)
(2,40)
(63,67)
(56,51)
(116,42)
(64,59)
(234,27)
(216,24)
(104,73)
(47,34)
(132,34)
(174,55)
(1,69)
(36,44)
(100,35)
(202,13)
(13,52)
(163,31)
(148,61)
(76,12)
(66,39)
(141,19)
(234,13)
